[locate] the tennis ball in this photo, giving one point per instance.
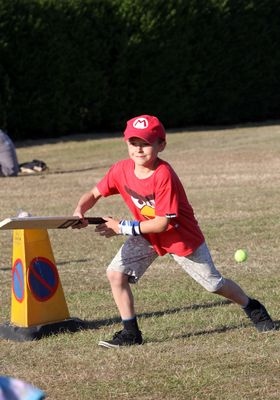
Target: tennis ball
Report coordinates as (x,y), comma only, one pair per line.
(23,214)
(240,255)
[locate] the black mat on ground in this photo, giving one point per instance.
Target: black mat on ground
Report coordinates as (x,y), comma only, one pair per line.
(36,332)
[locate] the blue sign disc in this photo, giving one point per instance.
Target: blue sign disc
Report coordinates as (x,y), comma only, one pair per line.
(18,280)
(42,278)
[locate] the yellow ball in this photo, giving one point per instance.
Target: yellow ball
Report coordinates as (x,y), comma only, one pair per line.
(240,255)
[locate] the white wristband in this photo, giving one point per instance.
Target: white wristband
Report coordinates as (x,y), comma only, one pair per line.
(131,228)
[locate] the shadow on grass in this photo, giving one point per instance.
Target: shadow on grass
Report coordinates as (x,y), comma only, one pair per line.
(221,330)
(59,264)
(20,334)
(59,172)
(81,260)
(96,324)
(117,133)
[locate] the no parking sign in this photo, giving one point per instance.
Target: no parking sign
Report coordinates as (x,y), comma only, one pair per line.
(18,280)
(42,278)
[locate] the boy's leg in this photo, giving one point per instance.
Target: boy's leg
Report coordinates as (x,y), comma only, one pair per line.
(127,267)
(200,267)
(233,292)
(122,294)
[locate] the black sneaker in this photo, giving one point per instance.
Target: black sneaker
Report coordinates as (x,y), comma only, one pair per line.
(123,338)
(259,316)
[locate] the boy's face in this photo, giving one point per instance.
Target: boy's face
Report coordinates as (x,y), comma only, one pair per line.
(143,153)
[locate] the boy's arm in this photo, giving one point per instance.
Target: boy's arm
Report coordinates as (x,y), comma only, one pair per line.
(154,225)
(112,226)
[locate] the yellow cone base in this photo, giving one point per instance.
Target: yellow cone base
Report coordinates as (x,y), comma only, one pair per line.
(37,294)
(38,306)
(36,332)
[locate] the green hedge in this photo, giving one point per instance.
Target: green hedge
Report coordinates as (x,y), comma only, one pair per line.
(87,65)
(57,55)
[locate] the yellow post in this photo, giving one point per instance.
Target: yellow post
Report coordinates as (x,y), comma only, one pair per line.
(37,294)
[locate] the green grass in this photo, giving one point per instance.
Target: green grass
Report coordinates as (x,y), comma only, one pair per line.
(197,345)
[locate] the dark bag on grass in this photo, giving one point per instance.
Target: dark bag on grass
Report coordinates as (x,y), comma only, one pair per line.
(31,167)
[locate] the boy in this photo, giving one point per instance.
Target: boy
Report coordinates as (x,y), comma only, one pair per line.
(164,223)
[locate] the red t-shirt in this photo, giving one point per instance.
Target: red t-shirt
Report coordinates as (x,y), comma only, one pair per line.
(161,194)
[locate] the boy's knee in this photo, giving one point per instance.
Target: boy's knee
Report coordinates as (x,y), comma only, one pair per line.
(111,275)
(214,285)
(116,277)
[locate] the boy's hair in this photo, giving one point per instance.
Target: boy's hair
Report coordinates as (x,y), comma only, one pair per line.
(146,127)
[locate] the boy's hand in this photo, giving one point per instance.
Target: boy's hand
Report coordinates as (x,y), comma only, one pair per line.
(83,223)
(109,228)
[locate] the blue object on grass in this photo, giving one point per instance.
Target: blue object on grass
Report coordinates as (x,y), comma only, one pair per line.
(15,389)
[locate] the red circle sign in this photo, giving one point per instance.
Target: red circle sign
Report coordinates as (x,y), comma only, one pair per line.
(42,277)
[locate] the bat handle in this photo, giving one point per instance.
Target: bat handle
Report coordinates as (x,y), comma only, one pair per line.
(95,220)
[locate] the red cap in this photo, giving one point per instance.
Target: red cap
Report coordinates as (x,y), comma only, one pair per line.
(146,127)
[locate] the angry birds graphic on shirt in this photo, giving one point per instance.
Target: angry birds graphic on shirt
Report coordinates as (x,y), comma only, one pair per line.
(146,204)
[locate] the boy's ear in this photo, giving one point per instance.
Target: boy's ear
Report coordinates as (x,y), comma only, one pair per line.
(162,146)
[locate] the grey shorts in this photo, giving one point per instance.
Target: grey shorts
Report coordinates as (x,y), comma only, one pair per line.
(136,255)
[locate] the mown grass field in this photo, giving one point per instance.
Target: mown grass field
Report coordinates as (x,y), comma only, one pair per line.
(197,346)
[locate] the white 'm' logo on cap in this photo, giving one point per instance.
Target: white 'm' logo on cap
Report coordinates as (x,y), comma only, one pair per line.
(140,123)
